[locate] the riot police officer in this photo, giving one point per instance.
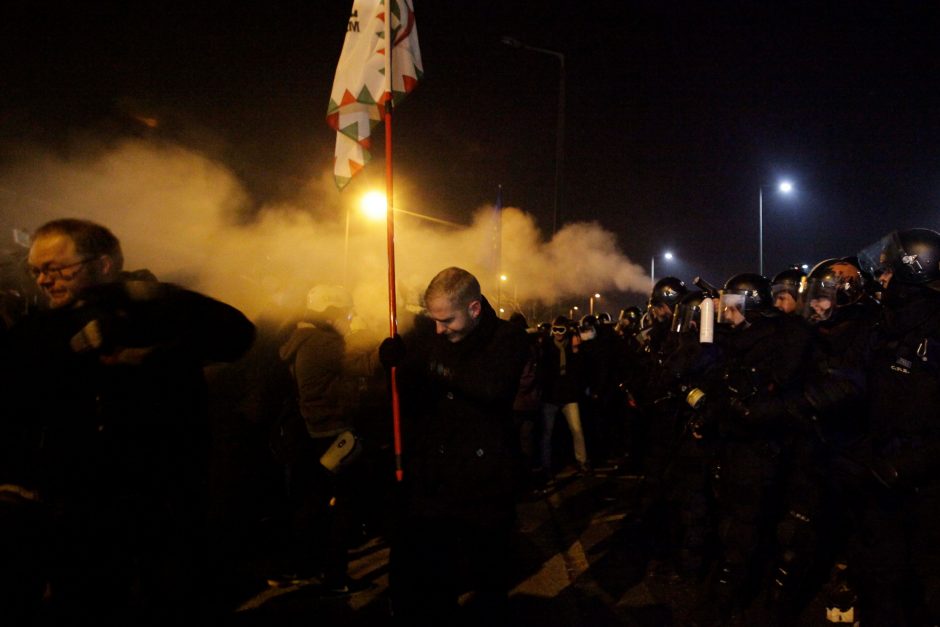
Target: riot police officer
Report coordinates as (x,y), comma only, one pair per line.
(899,565)
(764,353)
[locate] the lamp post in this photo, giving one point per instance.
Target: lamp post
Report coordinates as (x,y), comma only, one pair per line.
(591,309)
(667,256)
(784,187)
(512,42)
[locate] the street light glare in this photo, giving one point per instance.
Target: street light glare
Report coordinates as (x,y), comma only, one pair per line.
(374,206)
(668,256)
(503,277)
(786,187)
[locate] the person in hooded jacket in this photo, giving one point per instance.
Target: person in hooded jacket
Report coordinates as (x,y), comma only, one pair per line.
(327,376)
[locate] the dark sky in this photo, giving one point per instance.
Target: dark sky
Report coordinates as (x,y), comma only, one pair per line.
(677,112)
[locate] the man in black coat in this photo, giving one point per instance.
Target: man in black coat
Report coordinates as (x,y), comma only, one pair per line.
(458,382)
(108,428)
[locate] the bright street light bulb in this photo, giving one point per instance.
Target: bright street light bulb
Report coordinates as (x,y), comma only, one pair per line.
(503,277)
(786,187)
(374,206)
(668,256)
(597,295)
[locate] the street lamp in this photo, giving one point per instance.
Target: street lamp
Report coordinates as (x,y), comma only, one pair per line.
(667,256)
(784,187)
(512,42)
(591,310)
(374,207)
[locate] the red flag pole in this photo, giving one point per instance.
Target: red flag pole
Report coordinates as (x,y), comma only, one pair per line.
(390,221)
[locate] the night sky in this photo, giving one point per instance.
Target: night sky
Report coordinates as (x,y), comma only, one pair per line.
(677,113)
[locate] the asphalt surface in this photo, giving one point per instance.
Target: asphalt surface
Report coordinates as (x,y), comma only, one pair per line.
(580,558)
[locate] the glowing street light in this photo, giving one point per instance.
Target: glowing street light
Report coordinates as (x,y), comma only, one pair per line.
(784,187)
(374,206)
(591,310)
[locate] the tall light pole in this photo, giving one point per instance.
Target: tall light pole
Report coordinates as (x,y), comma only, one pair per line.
(598,297)
(512,42)
(784,187)
(667,256)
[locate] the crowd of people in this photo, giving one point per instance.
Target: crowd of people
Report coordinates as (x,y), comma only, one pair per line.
(785,432)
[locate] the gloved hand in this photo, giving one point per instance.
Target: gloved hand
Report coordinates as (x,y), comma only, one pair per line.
(392,351)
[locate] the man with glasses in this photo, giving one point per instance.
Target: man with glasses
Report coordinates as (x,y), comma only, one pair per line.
(109,427)
(69,256)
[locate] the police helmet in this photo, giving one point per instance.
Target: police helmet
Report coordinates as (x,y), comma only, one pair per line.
(832,283)
(789,280)
(748,294)
(667,291)
(911,256)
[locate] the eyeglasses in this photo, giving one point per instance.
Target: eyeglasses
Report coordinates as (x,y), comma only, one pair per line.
(58,272)
(559,330)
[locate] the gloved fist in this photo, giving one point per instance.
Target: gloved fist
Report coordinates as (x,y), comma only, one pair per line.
(392,351)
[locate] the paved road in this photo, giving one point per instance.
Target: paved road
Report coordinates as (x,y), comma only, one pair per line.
(579,561)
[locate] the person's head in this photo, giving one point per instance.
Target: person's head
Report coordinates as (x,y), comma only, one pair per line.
(687,314)
(786,288)
(454,302)
(831,284)
(588,326)
(630,319)
(744,297)
(68,256)
(910,256)
(517,318)
(331,304)
(561,328)
(665,296)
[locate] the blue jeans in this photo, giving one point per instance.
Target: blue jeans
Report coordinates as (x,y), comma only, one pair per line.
(572,414)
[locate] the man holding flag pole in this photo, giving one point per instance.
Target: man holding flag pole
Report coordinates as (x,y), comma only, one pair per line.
(460,369)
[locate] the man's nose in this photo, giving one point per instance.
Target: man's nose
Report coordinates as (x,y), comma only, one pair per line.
(440,328)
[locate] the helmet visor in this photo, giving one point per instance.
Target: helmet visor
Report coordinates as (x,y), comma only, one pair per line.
(876,258)
(731,308)
(820,300)
(685,317)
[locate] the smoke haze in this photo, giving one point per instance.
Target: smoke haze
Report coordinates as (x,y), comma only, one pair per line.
(183,216)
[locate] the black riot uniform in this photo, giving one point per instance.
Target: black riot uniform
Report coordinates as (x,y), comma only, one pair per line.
(764,354)
(692,367)
(823,484)
(899,551)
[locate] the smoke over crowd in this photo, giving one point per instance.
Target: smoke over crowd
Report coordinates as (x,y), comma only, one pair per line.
(190,221)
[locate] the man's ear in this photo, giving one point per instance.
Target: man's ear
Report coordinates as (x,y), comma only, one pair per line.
(106,264)
(475,308)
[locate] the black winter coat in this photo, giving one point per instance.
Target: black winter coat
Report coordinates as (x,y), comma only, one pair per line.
(456,401)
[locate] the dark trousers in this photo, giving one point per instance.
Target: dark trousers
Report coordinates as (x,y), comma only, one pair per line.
(435,560)
(320,515)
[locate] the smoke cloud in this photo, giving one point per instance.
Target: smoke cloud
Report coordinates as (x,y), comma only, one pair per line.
(190,221)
